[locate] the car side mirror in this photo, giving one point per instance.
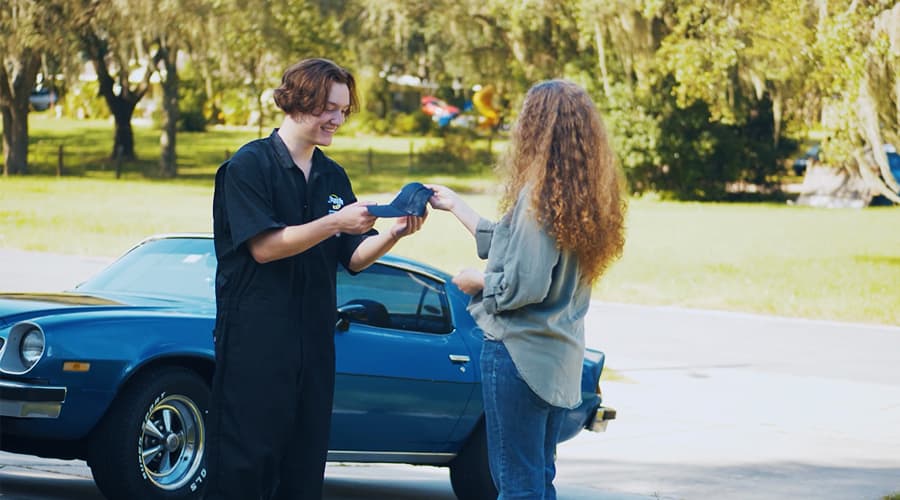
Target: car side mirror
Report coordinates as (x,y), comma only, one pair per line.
(348,312)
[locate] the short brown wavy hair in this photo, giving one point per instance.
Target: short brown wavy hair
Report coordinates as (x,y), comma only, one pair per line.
(560,149)
(305,86)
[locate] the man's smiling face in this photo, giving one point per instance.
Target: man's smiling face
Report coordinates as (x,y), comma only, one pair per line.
(319,129)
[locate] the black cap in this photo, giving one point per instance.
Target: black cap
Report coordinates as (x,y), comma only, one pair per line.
(411,200)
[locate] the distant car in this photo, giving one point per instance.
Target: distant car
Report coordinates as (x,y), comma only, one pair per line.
(118,370)
(42,99)
(811,155)
(893,160)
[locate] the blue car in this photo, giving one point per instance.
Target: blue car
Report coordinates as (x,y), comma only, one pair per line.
(811,155)
(117,372)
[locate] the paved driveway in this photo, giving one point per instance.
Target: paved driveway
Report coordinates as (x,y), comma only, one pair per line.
(722,405)
(711,405)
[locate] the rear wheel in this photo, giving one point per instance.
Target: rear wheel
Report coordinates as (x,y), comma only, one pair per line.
(470,472)
(150,444)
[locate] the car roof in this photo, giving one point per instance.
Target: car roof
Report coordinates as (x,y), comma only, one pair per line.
(392,260)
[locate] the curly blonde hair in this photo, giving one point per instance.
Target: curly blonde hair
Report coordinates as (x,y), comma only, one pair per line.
(560,149)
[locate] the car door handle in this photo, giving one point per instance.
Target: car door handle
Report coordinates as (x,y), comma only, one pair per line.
(459,358)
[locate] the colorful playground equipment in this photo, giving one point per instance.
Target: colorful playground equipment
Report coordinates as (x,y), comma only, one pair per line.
(439,110)
(483,102)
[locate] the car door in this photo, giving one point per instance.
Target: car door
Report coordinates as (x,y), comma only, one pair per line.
(404,375)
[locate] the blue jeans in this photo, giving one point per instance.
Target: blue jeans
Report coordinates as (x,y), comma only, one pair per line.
(522,429)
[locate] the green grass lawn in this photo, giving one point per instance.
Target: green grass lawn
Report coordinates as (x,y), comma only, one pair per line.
(375,164)
(761,258)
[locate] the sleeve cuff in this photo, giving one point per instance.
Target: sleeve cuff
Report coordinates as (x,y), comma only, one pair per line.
(348,245)
(490,305)
(245,234)
(484,231)
(493,286)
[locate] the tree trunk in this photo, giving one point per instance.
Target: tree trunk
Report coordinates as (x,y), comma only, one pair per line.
(869,129)
(260,110)
(777,115)
(122,111)
(17,79)
(7,129)
(601,59)
(167,159)
(874,182)
(120,104)
(15,138)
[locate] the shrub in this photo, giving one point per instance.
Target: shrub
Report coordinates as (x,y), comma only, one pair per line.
(83,100)
(191,101)
(412,123)
(452,154)
(236,107)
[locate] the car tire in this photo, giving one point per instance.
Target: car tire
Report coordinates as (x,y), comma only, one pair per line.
(150,445)
(470,471)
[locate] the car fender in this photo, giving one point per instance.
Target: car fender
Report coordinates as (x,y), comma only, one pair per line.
(117,346)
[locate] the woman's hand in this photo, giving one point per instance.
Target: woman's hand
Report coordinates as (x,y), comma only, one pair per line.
(470,281)
(443,198)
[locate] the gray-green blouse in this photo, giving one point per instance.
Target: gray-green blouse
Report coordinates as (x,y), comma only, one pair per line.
(534,302)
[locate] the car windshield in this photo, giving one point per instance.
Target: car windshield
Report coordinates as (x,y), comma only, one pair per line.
(174,268)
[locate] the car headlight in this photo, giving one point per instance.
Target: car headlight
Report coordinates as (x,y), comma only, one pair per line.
(25,346)
(31,348)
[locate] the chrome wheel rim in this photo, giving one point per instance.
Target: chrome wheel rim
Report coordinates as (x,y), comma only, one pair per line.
(172,441)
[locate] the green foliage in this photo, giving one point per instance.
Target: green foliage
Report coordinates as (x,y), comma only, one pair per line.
(452,154)
(394,123)
(700,157)
(236,107)
(857,68)
(700,54)
(635,135)
(684,152)
(83,100)
(416,122)
(367,121)
(744,76)
(192,102)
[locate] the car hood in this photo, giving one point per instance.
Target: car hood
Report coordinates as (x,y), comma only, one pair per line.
(16,307)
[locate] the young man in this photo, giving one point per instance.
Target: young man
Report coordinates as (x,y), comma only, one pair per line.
(284,217)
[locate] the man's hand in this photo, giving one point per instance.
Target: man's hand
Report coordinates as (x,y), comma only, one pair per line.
(470,281)
(408,225)
(354,218)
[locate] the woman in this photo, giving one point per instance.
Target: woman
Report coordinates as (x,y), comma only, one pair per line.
(563,225)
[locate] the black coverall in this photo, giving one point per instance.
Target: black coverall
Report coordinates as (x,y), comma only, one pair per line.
(273,388)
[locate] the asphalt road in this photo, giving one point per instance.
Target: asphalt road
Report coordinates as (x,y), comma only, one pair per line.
(711,405)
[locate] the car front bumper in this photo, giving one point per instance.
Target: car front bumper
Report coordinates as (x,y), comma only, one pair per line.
(601,419)
(24,400)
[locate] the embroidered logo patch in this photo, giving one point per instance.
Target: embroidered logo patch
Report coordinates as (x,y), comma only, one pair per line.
(335,203)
